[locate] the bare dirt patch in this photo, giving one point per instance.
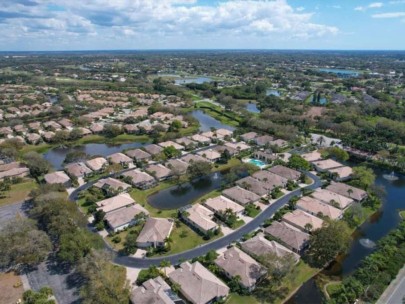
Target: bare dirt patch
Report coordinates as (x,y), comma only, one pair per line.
(11,288)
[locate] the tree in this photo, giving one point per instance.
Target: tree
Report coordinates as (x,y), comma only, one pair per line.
(75,156)
(22,244)
(146,274)
(111,130)
(40,297)
(225,156)
(297,162)
(199,169)
(171,152)
(75,134)
(104,282)
(363,177)
(164,264)
(176,125)
(336,152)
(37,164)
(327,242)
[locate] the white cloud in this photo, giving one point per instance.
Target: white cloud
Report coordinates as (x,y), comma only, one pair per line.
(391,15)
(370,6)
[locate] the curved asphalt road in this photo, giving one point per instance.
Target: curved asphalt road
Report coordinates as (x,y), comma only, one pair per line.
(203,249)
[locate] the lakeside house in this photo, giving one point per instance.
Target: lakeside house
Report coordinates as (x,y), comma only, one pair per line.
(78,170)
(140,179)
(116,202)
(240,195)
(97,164)
(139,155)
(13,169)
(153,149)
(266,156)
(248,137)
(291,237)
(234,262)
(302,220)
(177,165)
(312,156)
(124,217)
(120,158)
(155,232)
(332,198)
(348,191)
(159,171)
(197,284)
(170,143)
(210,154)
(254,185)
(260,246)
(58,177)
(318,208)
(220,204)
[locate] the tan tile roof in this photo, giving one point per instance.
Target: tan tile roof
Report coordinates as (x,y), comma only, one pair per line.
(96,163)
(198,284)
(153,291)
(312,156)
(221,204)
(118,158)
(115,202)
(286,172)
(329,196)
(342,172)
(315,207)
(112,183)
(58,177)
(78,169)
(138,154)
(270,179)
(241,195)
(201,217)
(327,164)
(158,170)
(237,263)
(125,215)
(292,237)
(155,230)
(139,176)
(254,185)
(348,191)
(153,149)
(300,219)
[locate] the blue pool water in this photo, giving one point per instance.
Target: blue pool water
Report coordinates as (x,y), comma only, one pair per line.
(257,162)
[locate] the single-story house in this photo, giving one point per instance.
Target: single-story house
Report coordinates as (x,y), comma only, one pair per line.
(97,164)
(222,133)
(186,142)
(312,156)
(292,237)
(266,156)
(348,191)
(115,202)
(139,179)
(281,143)
(122,218)
(58,177)
(14,172)
(78,170)
(247,137)
(263,140)
(96,128)
(240,195)
(112,185)
(197,284)
(200,217)
(220,204)
(234,262)
(155,232)
(48,135)
(270,179)
(332,198)
(159,171)
(153,149)
(326,164)
(201,139)
(210,154)
(154,291)
(120,158)
(254,185)
(342,174)
(190,158)
(302,220)
(318,208)
(285,172)
(177,165)
(33,138)
(260,246)
(139,155)
(170,143)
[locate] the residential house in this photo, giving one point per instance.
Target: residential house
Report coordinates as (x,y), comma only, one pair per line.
(238,146)
(198,284)
(115,202)
(170,143)
(200,217)
(201,139)
(96,128)
(177,165)
(140,179)
(302,220)
(33,138)
(326,164)
(240,195)
(120,158)
(154,291)
(190,158)
(97,164)
(260,246)
(153,149)
(341,174)
(210,154)
(285,172)
(220,204)
(187,143)
(263,140)
(124,217)
(159,171)
(221,148)
(13,170)
(254,185)
(348,191)
(222,133)
(234,262)
(139,155)
(248,137)
(34,126)
(318,208)
(332,198)
(280,143)
(48,136)
(312,156)
(58,177)
(290,236)
(78,170)
(112,185)
(270,179)
(155,232)
(266,156)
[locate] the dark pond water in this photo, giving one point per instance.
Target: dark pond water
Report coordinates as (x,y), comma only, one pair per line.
(252,108)
(207,122)
(379,225)
(180,196)
(57,156)
(198,80)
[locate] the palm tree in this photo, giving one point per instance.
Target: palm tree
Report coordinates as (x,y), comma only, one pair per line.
(308,227)
(350,192)
(164,264)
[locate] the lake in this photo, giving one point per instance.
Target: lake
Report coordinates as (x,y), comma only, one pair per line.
(341,72)
(180,196)
(57,156)
(252,108)
(379,225)
(198,80)
(207,122)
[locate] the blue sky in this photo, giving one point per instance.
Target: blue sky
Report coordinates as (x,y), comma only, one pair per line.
(201,24)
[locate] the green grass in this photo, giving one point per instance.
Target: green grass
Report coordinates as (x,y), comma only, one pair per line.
(211,194)
(332,288)
(234,298)
(42,148)
(18,192)
(122,235)
(184,238)
(402,214)
(218,113)
(251,211)
(231,163)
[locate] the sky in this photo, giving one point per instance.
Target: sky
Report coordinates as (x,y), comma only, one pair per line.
(49,25)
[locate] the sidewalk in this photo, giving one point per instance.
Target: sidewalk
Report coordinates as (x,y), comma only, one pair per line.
(395,292)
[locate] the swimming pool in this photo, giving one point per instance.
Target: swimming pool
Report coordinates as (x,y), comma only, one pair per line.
(257,162)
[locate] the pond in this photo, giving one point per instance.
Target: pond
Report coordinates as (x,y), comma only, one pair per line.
(273,92)
(57,156)
(341,72)
(207,122)
(252,108)
(184,194)
(378,226)
(198,80)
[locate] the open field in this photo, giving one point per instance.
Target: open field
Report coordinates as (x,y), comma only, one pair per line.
(18,192)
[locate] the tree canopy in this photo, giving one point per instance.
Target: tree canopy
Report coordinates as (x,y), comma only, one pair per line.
(199,169)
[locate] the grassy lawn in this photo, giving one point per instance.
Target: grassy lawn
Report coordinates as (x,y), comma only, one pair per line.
(252,211)
(234,298)
(18,192)
(184,238)
(42,148)
(122,235)
(332,287)
(231,163)
(211,194)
